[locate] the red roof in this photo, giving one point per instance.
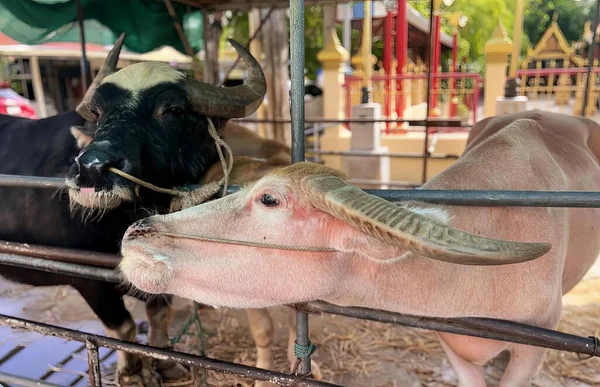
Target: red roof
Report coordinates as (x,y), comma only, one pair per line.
(7,41)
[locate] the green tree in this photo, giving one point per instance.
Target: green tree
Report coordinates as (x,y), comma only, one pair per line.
(483,17)
(571,14)
(236,27)
(313,38)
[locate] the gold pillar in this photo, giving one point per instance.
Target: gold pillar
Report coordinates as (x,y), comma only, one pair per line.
(332,56)
(517,37)
(363,60)
(496,52)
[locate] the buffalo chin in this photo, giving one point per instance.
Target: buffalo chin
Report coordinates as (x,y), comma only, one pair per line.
(144,268)
(101,200)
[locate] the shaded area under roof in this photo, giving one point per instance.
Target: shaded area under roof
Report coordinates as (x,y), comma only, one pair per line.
(146,23)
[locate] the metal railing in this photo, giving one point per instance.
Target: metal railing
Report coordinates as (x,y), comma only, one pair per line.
(79,263)
(100,266)
(318,126)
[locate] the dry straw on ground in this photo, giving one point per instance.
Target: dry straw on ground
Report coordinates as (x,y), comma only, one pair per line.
(350,352)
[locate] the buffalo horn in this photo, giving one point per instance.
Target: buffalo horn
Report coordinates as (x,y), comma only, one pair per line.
(230,102)
(401,227)
(108,67)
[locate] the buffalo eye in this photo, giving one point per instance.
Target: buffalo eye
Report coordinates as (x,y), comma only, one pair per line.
(174,111)
(269,200)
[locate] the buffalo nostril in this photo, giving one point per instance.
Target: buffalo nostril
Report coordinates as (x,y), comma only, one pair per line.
(138,229)
(93,165)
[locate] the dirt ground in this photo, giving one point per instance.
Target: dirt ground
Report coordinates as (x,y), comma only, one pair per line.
(350,352)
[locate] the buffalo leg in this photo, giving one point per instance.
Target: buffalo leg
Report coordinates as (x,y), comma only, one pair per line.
(523,364)
(468,374)
(107,302)
(159,313)
(261,328)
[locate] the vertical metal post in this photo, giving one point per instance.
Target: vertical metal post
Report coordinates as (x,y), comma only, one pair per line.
(431,49)
(93,364)
(591,49)
(297,115)
(297,78)
(85,65)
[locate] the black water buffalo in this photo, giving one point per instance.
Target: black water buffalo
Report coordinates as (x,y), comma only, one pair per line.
(148,120)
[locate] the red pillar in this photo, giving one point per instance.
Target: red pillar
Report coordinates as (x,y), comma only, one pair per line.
(435,61)
(453,79)
(387,66)
(401,52)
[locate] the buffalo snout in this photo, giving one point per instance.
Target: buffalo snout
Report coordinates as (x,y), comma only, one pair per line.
(93,168)
(144,227)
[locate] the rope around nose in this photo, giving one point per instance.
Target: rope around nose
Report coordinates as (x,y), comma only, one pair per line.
(226,164)
(144,184)
(312,249)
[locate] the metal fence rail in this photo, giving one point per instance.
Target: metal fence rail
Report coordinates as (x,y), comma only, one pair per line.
(78,263)
(588,199)
(94,341)
(477,327)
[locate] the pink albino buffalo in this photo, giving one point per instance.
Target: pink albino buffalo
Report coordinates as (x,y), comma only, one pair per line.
(412,258)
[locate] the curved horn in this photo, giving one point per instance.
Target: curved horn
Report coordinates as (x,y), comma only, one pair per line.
(108,67)
(406,229)
(230,102)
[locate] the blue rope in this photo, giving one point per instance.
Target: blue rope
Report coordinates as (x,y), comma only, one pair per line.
(304,351)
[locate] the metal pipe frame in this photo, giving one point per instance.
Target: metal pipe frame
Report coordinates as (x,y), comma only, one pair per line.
(297,118)
(94,341)
(51,259)
(495,329)
(434,123)
(478,327)
(589,199)
(400,155)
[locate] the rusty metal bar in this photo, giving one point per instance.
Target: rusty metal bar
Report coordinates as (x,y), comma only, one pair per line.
(430,122)
(158,353)
(73,269)
(478,327)
(404,155)
(22,181)
(585,199)
(91,258)
(93,364)
(298,137)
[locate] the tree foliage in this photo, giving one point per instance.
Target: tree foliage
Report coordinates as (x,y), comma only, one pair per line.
(313,38)
(571,14)
(483,17)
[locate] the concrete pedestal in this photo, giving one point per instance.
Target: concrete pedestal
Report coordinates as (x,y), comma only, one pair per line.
(368,160)
(369,165)
(366,136)
(511,105)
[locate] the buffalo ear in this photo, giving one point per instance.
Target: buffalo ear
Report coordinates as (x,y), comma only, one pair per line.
(81,137)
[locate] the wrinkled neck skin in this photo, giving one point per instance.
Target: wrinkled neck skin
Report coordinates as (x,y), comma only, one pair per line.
(412,285)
